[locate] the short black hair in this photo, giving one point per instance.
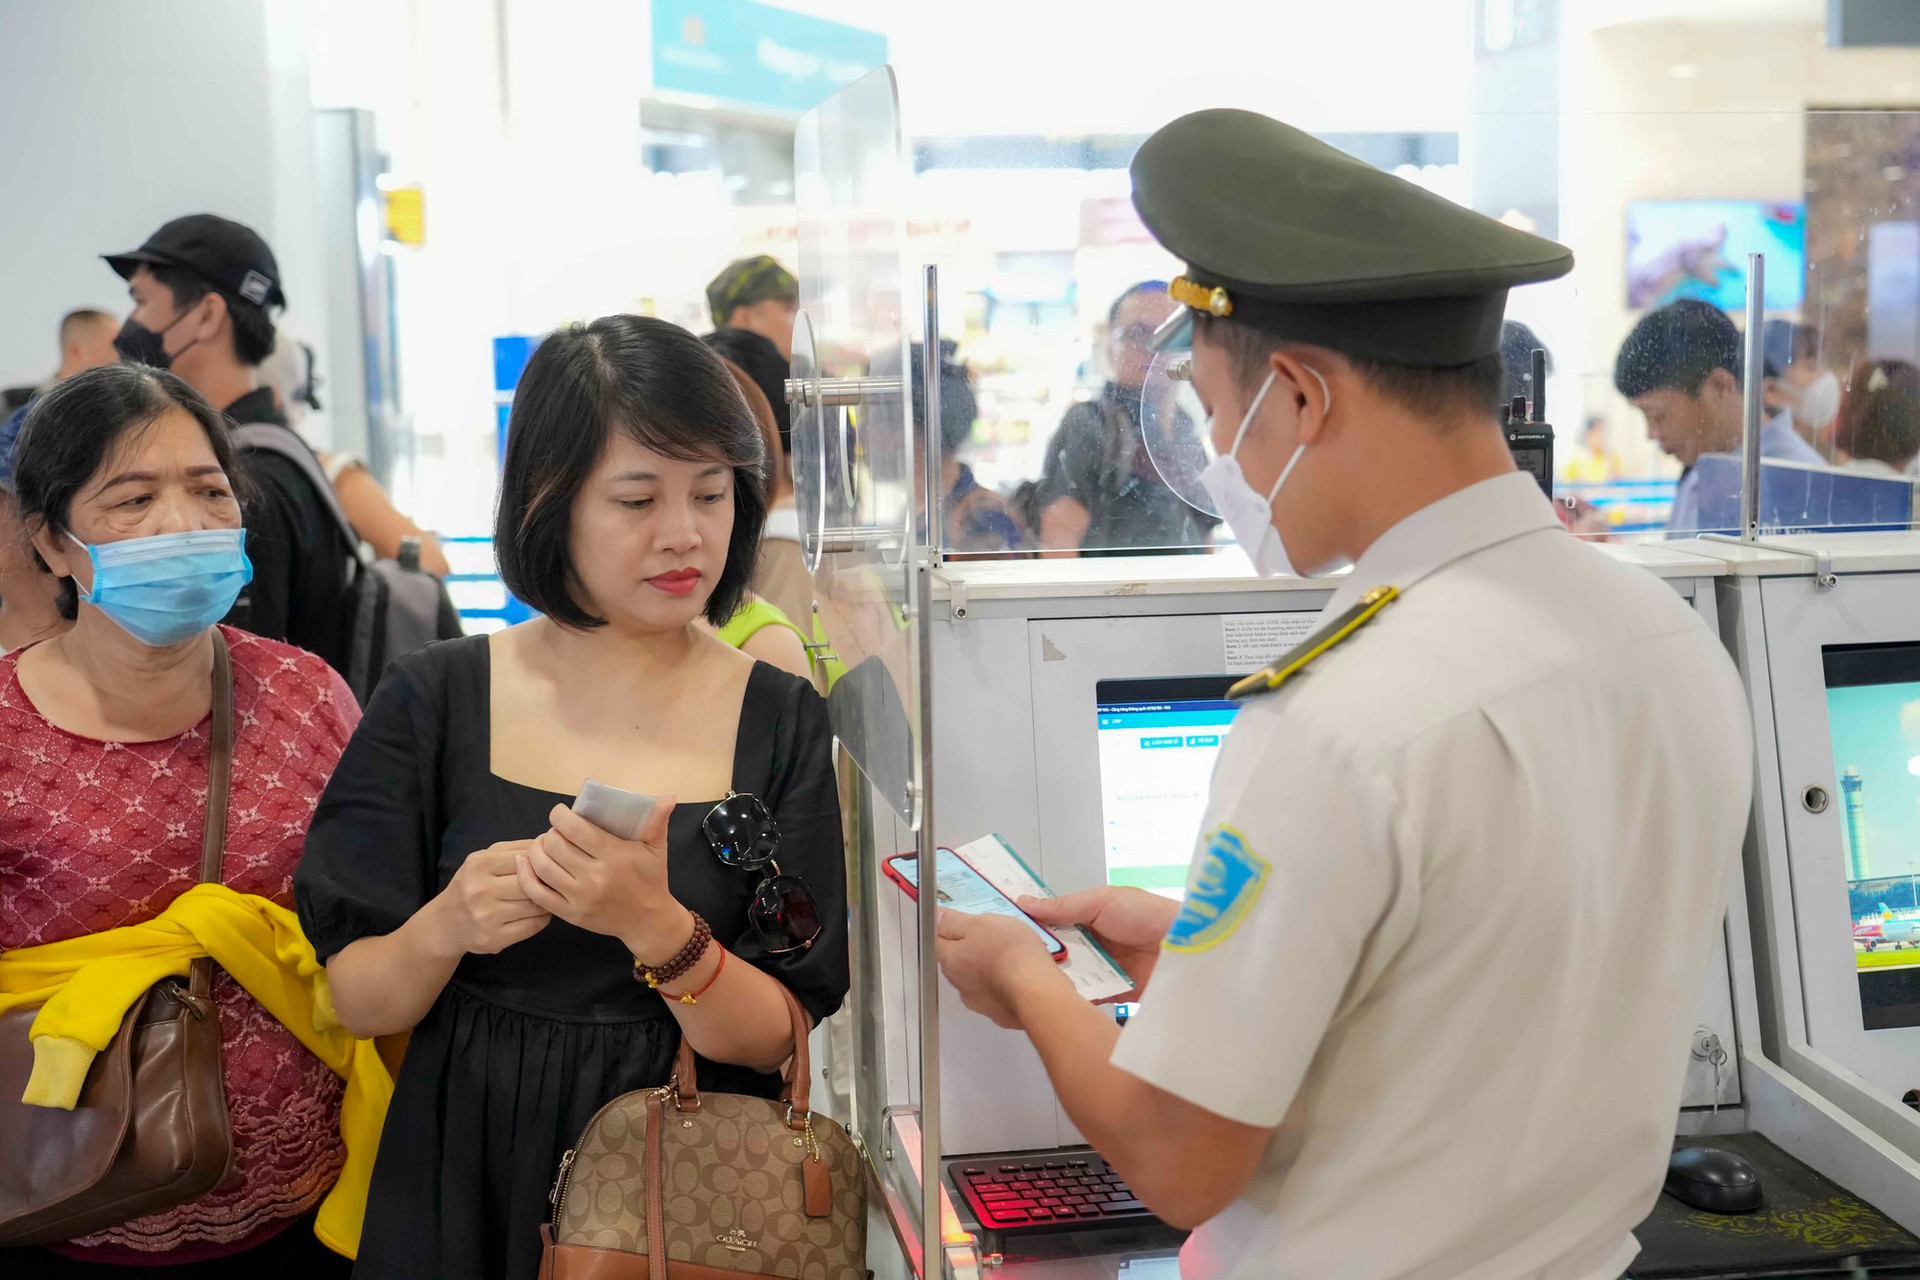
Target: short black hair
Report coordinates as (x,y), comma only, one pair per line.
(958,408)
(664,389)
(73,427)
(1431,392)
(253,333)
(760,360)
(1675,349)
(1133,291)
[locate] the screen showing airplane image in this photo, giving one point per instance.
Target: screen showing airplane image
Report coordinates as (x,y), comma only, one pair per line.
(1873,710)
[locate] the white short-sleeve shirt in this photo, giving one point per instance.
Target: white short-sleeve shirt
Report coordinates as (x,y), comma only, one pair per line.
(1452,906)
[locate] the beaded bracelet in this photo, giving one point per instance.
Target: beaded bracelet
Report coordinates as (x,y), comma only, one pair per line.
(682,963)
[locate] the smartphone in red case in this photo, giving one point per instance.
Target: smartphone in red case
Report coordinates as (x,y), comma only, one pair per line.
(964,889)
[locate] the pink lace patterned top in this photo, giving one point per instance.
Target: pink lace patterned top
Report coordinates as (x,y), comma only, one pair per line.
(99,834)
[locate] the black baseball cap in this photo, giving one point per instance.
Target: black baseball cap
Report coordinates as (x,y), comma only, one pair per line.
(230,257)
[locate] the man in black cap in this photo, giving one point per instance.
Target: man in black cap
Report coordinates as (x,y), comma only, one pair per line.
(201,288)
(1425,1007)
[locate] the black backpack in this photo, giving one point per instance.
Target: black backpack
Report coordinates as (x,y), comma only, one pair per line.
(397,606)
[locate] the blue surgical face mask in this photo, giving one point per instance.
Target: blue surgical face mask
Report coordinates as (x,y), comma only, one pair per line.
(170,587)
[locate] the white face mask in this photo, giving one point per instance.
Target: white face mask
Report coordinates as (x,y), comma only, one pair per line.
(1819,402)
(1249,515)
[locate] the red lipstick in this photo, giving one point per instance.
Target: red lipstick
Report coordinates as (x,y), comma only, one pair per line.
(679,582)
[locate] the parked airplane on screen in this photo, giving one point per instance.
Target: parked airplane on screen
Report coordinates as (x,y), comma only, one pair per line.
(1888,928)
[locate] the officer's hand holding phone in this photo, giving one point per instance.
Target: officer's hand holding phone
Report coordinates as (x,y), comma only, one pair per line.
(1129,924)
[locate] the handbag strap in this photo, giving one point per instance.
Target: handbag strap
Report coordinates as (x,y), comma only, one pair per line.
(798,1075)
(213,841)
(656,1176)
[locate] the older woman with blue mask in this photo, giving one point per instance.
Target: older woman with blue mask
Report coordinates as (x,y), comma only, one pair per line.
(125,481)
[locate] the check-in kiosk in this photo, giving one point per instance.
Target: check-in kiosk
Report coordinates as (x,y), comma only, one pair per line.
(1078,706)
(1826,632)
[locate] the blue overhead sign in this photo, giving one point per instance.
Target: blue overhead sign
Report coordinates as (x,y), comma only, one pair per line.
(754,53)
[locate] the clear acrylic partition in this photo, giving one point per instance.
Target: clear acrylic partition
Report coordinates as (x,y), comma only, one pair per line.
(852,452)
(1662,206)
(1037,245)
(1036,241)
(862,515)
(1843,386)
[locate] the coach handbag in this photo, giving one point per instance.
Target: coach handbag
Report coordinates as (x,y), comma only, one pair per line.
(673,1184)
(150,1130)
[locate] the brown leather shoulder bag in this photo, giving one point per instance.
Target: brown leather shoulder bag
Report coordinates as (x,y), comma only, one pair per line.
(670,1184)
(150,1131)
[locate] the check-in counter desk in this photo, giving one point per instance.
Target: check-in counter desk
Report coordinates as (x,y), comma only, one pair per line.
(1031,663)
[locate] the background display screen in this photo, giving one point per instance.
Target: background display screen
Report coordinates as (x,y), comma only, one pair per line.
(1698,249)
(1873,710)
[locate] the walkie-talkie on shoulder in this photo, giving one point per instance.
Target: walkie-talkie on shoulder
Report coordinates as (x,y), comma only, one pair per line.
(1529,438)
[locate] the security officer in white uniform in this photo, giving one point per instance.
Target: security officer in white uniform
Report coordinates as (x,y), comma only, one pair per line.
(1425,1009)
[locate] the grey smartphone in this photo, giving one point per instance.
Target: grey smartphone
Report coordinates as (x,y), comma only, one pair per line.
(616,812)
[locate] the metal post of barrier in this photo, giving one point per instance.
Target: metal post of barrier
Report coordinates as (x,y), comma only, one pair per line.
(1754,386)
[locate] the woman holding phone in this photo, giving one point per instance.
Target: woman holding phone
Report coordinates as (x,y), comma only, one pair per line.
(542,965)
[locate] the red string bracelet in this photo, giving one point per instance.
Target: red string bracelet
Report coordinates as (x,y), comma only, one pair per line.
(693,997)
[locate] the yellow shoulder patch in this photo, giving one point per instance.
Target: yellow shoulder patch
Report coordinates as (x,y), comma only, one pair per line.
(1296,660)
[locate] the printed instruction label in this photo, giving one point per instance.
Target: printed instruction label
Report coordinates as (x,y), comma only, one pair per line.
(1253,640)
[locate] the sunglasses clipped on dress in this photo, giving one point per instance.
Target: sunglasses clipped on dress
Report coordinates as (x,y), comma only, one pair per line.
(742,834)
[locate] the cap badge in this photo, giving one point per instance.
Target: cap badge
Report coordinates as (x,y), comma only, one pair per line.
(1214,301)
(254,287)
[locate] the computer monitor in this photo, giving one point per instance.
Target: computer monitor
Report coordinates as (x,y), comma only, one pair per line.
(1158,741)
(1873,711)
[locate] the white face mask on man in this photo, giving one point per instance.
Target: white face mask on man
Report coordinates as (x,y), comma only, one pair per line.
(1249,515)
(1818,403)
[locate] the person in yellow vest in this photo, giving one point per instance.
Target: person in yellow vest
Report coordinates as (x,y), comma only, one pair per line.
(763,631)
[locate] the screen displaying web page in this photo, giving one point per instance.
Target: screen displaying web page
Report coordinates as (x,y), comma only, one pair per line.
(1158,741)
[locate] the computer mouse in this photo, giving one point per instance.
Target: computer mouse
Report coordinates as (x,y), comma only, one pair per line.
(1712,1179)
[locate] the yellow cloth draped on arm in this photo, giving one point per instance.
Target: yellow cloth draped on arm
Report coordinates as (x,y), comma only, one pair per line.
(86,985)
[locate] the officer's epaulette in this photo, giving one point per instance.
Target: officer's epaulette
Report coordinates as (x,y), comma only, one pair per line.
(1297,659)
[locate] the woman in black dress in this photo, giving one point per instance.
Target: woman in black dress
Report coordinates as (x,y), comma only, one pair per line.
(452,893)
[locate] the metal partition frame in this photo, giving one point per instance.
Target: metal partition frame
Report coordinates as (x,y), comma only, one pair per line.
(871,539)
